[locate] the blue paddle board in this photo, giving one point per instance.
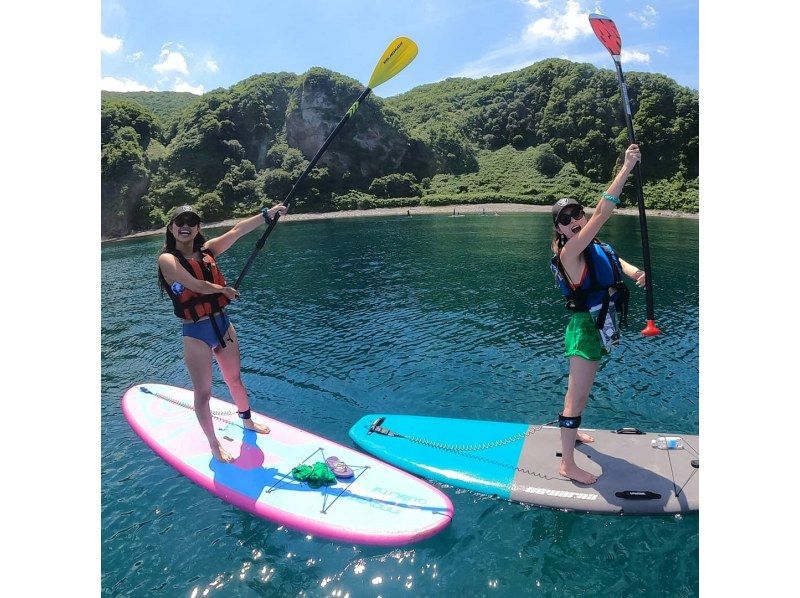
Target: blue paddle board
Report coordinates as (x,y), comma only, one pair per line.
(520,462)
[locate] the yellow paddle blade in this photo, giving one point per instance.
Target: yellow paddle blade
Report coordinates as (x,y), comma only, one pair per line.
(397,56)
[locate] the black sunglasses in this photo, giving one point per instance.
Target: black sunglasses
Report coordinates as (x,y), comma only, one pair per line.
(187,220)
(566,217)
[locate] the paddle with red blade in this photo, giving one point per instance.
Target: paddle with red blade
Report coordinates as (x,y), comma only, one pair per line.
(606,31)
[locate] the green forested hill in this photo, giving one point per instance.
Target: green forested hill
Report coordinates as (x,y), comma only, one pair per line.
(552,129)
(167,106)
(575,108)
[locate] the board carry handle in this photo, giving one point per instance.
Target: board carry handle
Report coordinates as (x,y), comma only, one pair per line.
(376,427)
(627,431)
(637,495)
(376,424)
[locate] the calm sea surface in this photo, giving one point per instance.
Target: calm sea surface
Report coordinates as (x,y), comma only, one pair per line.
(430,315)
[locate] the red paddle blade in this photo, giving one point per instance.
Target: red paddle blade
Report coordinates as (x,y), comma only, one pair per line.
(606,31)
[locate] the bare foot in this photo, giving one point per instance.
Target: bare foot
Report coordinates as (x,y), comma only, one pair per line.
(220,454)
(584,437)
(577,474)
(251,425)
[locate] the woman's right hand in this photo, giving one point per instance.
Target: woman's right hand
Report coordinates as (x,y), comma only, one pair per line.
(230,293)
(632,156)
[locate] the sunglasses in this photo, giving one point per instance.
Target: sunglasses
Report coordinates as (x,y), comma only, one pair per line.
(566,217)
(186,220)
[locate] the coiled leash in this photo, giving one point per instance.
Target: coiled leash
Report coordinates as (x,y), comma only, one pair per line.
(465,449)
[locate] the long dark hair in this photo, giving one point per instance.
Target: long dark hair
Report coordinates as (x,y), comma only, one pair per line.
(558,241)
(171,246)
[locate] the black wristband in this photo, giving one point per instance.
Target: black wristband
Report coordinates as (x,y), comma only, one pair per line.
(265,214)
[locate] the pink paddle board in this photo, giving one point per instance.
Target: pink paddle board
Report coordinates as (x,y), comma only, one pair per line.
(379,504)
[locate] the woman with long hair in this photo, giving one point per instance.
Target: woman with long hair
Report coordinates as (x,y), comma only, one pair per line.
(590,274)
(188,273)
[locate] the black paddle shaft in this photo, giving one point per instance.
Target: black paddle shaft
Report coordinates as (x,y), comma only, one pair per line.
(309,168)
(637,171)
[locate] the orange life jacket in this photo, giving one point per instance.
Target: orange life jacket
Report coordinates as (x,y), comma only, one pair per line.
(190,305)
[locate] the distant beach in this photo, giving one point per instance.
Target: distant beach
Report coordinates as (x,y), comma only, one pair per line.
(463,209)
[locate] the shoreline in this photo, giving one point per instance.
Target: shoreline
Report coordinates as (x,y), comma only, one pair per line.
(461,209)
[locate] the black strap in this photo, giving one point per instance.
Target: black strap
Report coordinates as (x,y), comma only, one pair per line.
(569,422)
(622,294)
(217,332)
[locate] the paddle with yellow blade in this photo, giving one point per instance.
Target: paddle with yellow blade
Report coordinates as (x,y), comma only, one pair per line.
(398,55)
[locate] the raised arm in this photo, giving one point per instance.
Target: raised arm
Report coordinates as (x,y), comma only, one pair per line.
(604,208)
(217,245)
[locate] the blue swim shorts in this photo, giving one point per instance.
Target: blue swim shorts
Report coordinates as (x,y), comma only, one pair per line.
(204,330)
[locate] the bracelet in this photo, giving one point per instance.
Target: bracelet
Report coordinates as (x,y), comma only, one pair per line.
(611,198)
(265,214)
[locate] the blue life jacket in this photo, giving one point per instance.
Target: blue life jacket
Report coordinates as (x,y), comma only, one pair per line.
(602,285)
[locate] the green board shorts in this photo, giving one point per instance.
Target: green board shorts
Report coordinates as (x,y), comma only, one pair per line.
(582,339)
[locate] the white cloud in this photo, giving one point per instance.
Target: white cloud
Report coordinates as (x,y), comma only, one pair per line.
(629,56)
(489,65)
(536,41)
(110,45)
(171,61)
(124,84)
(212,66)
(647,17)
(184,86)
(135,57)
(560,27)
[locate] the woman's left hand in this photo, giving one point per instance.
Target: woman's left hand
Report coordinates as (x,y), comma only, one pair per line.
(639,278)
(279,209)
(632,156)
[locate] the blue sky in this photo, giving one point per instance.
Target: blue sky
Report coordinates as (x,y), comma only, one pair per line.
(198,45)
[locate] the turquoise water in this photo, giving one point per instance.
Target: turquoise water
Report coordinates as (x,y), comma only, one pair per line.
(431,315)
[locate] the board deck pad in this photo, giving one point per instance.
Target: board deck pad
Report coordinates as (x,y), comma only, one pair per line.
(379,505)
(520,462)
